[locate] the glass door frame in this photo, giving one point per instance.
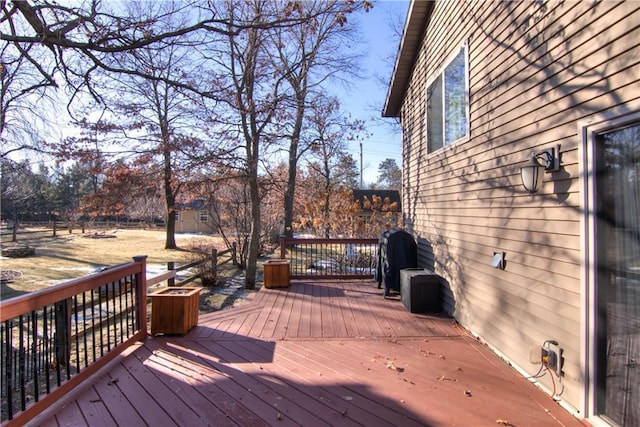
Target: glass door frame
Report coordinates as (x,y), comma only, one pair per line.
(588,131)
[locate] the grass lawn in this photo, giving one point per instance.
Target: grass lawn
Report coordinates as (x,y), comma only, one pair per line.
(69,256)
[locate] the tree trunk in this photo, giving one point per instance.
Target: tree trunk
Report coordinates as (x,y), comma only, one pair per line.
(254,237)
(170,242)
(289,195)
(14,232)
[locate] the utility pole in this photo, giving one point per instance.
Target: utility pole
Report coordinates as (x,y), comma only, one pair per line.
(361,183)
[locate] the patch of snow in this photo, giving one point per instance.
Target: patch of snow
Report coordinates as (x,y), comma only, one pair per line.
(88,269)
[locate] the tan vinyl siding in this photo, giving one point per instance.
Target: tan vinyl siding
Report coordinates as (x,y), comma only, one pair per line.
(536,69)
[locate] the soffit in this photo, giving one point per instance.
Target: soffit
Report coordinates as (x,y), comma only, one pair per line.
(416,23)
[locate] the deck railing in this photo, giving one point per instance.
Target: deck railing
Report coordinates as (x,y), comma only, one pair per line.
(55,338)
(330,258)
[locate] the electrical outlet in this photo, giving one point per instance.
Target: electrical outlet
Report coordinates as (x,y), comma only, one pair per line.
(552,357)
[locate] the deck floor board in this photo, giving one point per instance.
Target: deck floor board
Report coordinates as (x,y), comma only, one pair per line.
(315,353)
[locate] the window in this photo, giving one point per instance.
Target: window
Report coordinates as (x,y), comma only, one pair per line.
(448,104)
(177,215)
(204,216)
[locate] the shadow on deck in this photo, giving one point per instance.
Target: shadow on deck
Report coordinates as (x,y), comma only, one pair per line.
(328,353)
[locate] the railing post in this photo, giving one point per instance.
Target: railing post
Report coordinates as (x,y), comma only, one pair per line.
(214,264)
(141,292)
(171,266)
(63,332)
(283,249)
(55,227)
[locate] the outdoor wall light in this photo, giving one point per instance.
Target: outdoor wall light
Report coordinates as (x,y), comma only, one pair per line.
(531,174)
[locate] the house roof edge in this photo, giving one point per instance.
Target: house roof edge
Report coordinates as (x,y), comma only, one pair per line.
(418,16)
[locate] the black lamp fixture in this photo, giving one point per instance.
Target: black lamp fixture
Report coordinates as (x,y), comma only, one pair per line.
(531,174)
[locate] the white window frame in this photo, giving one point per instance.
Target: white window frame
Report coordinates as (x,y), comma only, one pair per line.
(440,75)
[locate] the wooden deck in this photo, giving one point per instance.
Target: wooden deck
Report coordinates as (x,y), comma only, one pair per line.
(313,354)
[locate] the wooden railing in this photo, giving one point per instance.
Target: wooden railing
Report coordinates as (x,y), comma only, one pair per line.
(55,338)
(330,258)
(208,268)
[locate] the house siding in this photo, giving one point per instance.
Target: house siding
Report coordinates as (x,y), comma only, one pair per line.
(536,69)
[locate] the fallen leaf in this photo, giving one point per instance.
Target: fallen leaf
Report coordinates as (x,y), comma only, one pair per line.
(392,366)
(347,398)
(467,393)
(280,416)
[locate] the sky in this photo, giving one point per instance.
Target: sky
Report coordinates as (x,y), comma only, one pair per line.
(365,99)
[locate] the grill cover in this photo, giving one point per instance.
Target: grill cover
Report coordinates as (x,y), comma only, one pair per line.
(397,249)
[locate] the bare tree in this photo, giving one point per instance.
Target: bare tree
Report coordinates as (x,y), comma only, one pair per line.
(80,38)
(245,84)
(152,120)
(310,56)
(251,96)
(22,89)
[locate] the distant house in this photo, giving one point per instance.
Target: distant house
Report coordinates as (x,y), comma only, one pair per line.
(480,87)
(193,217)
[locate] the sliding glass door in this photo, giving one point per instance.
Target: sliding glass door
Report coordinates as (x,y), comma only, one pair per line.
(617,288)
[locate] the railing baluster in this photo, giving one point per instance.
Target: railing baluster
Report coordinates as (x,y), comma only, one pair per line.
(77,332)
(100,321)
(93,327)
(135,298)
(21,366)
(127,289)
(120,284)
(9,384)
(108,315)
(34,354)
(3,358)
(47,347)
(27,349)
(84,329)
(113,316)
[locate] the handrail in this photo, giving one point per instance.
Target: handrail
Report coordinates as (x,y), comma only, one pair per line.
(55,338)
(13,307)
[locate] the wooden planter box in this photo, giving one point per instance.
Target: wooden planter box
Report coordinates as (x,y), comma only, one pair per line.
(174,310)
(276,273)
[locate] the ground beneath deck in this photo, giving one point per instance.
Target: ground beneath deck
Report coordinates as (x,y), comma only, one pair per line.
(313,354)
